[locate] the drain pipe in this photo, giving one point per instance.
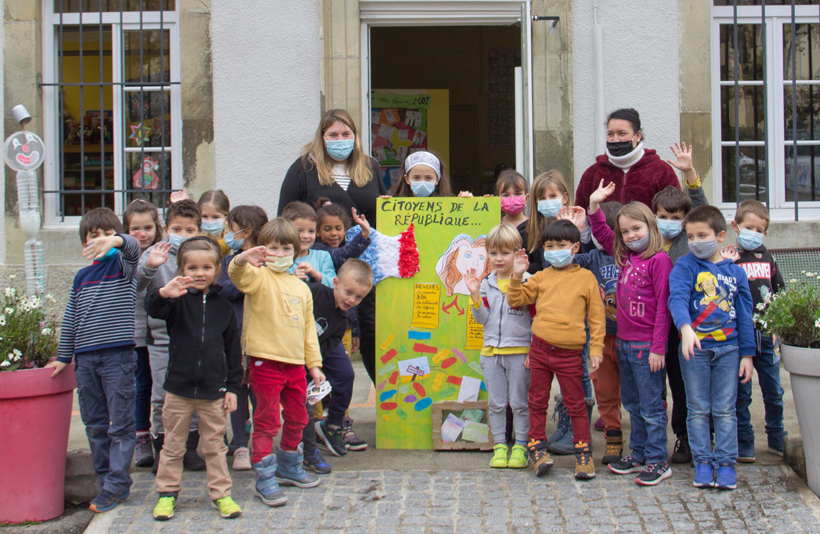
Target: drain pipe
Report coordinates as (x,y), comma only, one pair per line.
(598,54)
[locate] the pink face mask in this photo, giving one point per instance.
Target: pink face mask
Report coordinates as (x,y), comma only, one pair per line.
(512,205)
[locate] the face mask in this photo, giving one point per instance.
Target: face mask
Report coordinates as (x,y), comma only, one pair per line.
(549,208)
(669,229)
(619,149)
(749,239)
(703,249)
(213,227)
(558,258)
(340,150)
(281,263)
(423,189)
(639,245)
(232,242)
(176,240)
(108,255)
(512,205)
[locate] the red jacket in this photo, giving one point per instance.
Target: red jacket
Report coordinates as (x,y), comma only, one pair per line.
(648,176)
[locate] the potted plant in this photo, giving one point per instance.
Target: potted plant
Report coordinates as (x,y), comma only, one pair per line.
(793,315)
(35,410)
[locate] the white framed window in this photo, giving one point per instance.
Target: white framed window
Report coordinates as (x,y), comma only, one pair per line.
(111,105)
(752,106)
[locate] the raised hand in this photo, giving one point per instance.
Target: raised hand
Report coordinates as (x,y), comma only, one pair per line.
(473,283)
(520,263)
(465,194)
(361,221)
(729,252)
(99,247)
(600,195)
(683,157)
(177,287)
(176,196)
(158,254)
(256,256)
(574,214)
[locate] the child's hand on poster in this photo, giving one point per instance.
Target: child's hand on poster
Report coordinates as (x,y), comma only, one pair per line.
(317,375)
(521,263)
(361,221)
(473,283)
(465,194)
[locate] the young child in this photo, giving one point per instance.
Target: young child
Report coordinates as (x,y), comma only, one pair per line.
(204,373)
(98,330)
(558,339)
(511,188)
(423,176)
(507,336)
(244,224)
(643,326)
(310,265)
(751,224)
(549,193)
(141,221)
(182,222)
(711,304)
(215,206)
(279,336)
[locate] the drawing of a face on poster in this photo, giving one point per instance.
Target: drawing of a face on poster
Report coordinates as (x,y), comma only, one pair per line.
(463,254)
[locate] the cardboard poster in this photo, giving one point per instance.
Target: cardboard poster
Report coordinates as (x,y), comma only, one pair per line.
(427,342)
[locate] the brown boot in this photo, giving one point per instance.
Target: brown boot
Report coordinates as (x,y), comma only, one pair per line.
(614,447)
(539,457)
(584,468)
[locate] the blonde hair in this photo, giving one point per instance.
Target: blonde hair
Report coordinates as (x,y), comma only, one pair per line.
(315,152)
(358,270)
(537,222)
(503,237)
(640,212)
(281,231)
(199,244)
(217,198)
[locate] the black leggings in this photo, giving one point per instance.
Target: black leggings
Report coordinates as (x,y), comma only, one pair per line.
(367,326)
(673,374)
(241,416)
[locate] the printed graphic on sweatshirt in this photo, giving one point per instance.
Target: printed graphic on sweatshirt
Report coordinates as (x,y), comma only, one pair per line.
(762,272)
(608,283)
(292,305)
(713,302)
(634,290)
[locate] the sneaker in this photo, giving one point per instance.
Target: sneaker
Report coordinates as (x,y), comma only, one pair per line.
(242,459)
(704,476)
(518,458)
(539,456)
(600,425)
(144,451)
(227,507)
(106,500)
(316,463)
(351,440)
(775,445)
(681,454)
(726,477)
(746,450)
(164,510)
(626,465)
(331,437)
(653,474)
(614,447)
(584,467)
(500,452)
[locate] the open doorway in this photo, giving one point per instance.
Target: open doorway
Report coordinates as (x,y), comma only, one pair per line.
(472,68)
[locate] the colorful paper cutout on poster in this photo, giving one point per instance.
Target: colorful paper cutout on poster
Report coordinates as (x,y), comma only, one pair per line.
(425,305)
(475,333)
(463,254)
(451,428)
(475,431)
(414,369)
(415,334)
(469,389)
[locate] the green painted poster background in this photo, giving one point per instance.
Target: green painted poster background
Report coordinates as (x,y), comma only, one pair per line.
(403,419)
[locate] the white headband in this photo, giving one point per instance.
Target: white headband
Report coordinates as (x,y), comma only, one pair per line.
(422,158)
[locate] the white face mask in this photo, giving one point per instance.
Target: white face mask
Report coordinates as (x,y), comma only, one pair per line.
(281,263)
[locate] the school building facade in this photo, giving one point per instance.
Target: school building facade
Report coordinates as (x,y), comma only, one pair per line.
(137,98)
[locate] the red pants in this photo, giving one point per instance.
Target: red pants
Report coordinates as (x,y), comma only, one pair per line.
(607,383)
(273,383)
(547,361)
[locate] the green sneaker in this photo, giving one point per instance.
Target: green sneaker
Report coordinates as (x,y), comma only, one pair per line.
(518,458)
(164,510)
(227,507)
(500,452)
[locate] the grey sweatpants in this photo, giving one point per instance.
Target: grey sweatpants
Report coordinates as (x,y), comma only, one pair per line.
(158,356)
(507,381)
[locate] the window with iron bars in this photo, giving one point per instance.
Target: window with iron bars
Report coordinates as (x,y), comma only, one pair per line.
(766,105)
(111,105)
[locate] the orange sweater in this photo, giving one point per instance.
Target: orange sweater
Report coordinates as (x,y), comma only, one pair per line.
(563,299)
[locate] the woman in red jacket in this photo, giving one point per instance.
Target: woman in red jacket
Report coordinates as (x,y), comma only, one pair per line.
(637,173)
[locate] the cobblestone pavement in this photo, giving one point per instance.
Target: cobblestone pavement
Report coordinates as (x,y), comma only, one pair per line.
(768,499)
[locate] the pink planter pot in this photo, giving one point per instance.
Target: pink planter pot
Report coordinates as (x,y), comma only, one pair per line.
(35,416)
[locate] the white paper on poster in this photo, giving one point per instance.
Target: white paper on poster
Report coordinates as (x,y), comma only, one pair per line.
(386,131)
(451,428)
(413,119)
(469,389)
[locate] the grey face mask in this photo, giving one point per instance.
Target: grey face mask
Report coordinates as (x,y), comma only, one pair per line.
(640,244)
(703,249)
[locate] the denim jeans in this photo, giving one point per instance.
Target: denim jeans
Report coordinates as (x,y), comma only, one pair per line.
(586,382)
(710,377)
(106,390)
(767,365)
(142,415)
(641,391)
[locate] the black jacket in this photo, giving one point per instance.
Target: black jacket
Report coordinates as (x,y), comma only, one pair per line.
(331,322)
(205,355)
(762,272)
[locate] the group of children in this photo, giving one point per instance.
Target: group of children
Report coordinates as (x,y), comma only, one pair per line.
(176,325)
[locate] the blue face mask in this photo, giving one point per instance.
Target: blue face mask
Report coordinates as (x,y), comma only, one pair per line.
(669,229)
(176,240)
(549,208)
(108,255)
(558,258)
(749,239)
(423,189)
(232,242)
(340,150)
(213,227)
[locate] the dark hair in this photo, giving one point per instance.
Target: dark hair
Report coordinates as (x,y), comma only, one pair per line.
(99,219)
(627,114)
(326,208)
(218,198)
(611,210)
(709,215)
(138,206)
(510,179)
(754,207)
(282,231)
(183,208)
(252,217)
(197,244)
(359,270)
(561,230)
(671,199)
(298,210)
(443,188)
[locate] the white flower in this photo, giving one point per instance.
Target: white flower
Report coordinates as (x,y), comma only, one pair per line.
(817,323)
(9,310)
(46,331)
(9,292)
(5,364)
(17,352)
(802,272)
(760,306)
(50,298)
(792,281)
(10,356)
(12,276)
(2,320)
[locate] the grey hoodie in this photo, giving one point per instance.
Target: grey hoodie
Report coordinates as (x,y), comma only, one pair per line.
(148,279)
(504,325)
(680,245)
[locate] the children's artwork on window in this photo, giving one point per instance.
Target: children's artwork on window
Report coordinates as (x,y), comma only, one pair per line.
(399,126)
(146,177)
(463,254)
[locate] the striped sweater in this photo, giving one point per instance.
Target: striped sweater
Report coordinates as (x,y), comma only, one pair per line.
(100,310)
